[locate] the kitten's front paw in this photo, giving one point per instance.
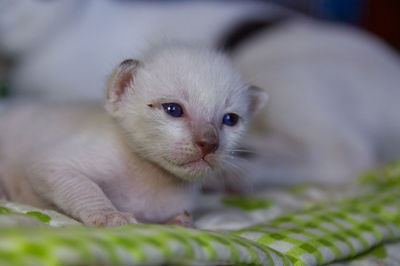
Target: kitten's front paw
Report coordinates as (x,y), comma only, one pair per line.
(182,219)
(108,219)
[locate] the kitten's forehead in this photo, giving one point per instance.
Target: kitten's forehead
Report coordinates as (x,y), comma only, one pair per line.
(200,78)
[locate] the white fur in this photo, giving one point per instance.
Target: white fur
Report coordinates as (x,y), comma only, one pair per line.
(334,91)
(334,102)
(134,161)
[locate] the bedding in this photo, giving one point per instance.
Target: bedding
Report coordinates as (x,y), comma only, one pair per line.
(353,224)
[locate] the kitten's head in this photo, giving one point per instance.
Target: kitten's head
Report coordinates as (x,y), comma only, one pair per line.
(184,108)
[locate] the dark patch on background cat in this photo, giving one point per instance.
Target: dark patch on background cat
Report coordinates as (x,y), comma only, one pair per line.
(247,29)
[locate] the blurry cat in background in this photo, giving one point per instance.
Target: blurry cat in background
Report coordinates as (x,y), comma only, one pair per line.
(334,102)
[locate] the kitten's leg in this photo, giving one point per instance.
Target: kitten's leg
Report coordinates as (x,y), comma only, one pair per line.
(75,194)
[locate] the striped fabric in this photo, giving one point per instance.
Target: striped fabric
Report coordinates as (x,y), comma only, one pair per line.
(357,228)
(130,245)
(328,233)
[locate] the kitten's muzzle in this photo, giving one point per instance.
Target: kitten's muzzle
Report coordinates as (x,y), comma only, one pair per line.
(206,139)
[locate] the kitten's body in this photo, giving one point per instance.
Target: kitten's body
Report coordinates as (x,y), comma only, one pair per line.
(133,160)
(83,137)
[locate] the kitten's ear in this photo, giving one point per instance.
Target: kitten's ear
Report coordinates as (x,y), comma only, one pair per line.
(258,99)
(121,82)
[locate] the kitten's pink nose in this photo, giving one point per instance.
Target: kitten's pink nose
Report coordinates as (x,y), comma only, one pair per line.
(207,147)
(207,140)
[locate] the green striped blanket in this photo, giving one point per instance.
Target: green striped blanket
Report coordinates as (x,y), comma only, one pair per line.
(350,225)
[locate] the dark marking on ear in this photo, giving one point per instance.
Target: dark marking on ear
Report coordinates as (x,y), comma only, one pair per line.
(121,80)
(126,62)
(127,70)
(130,64)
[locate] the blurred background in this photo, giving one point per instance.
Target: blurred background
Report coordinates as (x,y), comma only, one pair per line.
(380,17)
(27,26)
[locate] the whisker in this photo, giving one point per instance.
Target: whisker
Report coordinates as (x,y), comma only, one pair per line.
(246,151)
(237,168)
(244,154)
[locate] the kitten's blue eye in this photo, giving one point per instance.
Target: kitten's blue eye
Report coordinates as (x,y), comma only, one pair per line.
(173,109)
(230,119)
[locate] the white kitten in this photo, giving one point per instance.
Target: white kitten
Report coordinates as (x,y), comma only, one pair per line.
(171,118)
(334,91)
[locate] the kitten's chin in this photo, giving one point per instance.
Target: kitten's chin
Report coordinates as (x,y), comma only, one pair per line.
(191,171)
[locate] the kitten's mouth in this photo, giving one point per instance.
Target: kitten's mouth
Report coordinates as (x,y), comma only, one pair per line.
(193,168)
(199,161)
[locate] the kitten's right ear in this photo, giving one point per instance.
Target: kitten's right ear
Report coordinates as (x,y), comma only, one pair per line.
(121,83)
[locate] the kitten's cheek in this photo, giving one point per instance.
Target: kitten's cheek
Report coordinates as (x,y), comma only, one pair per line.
(213,160)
